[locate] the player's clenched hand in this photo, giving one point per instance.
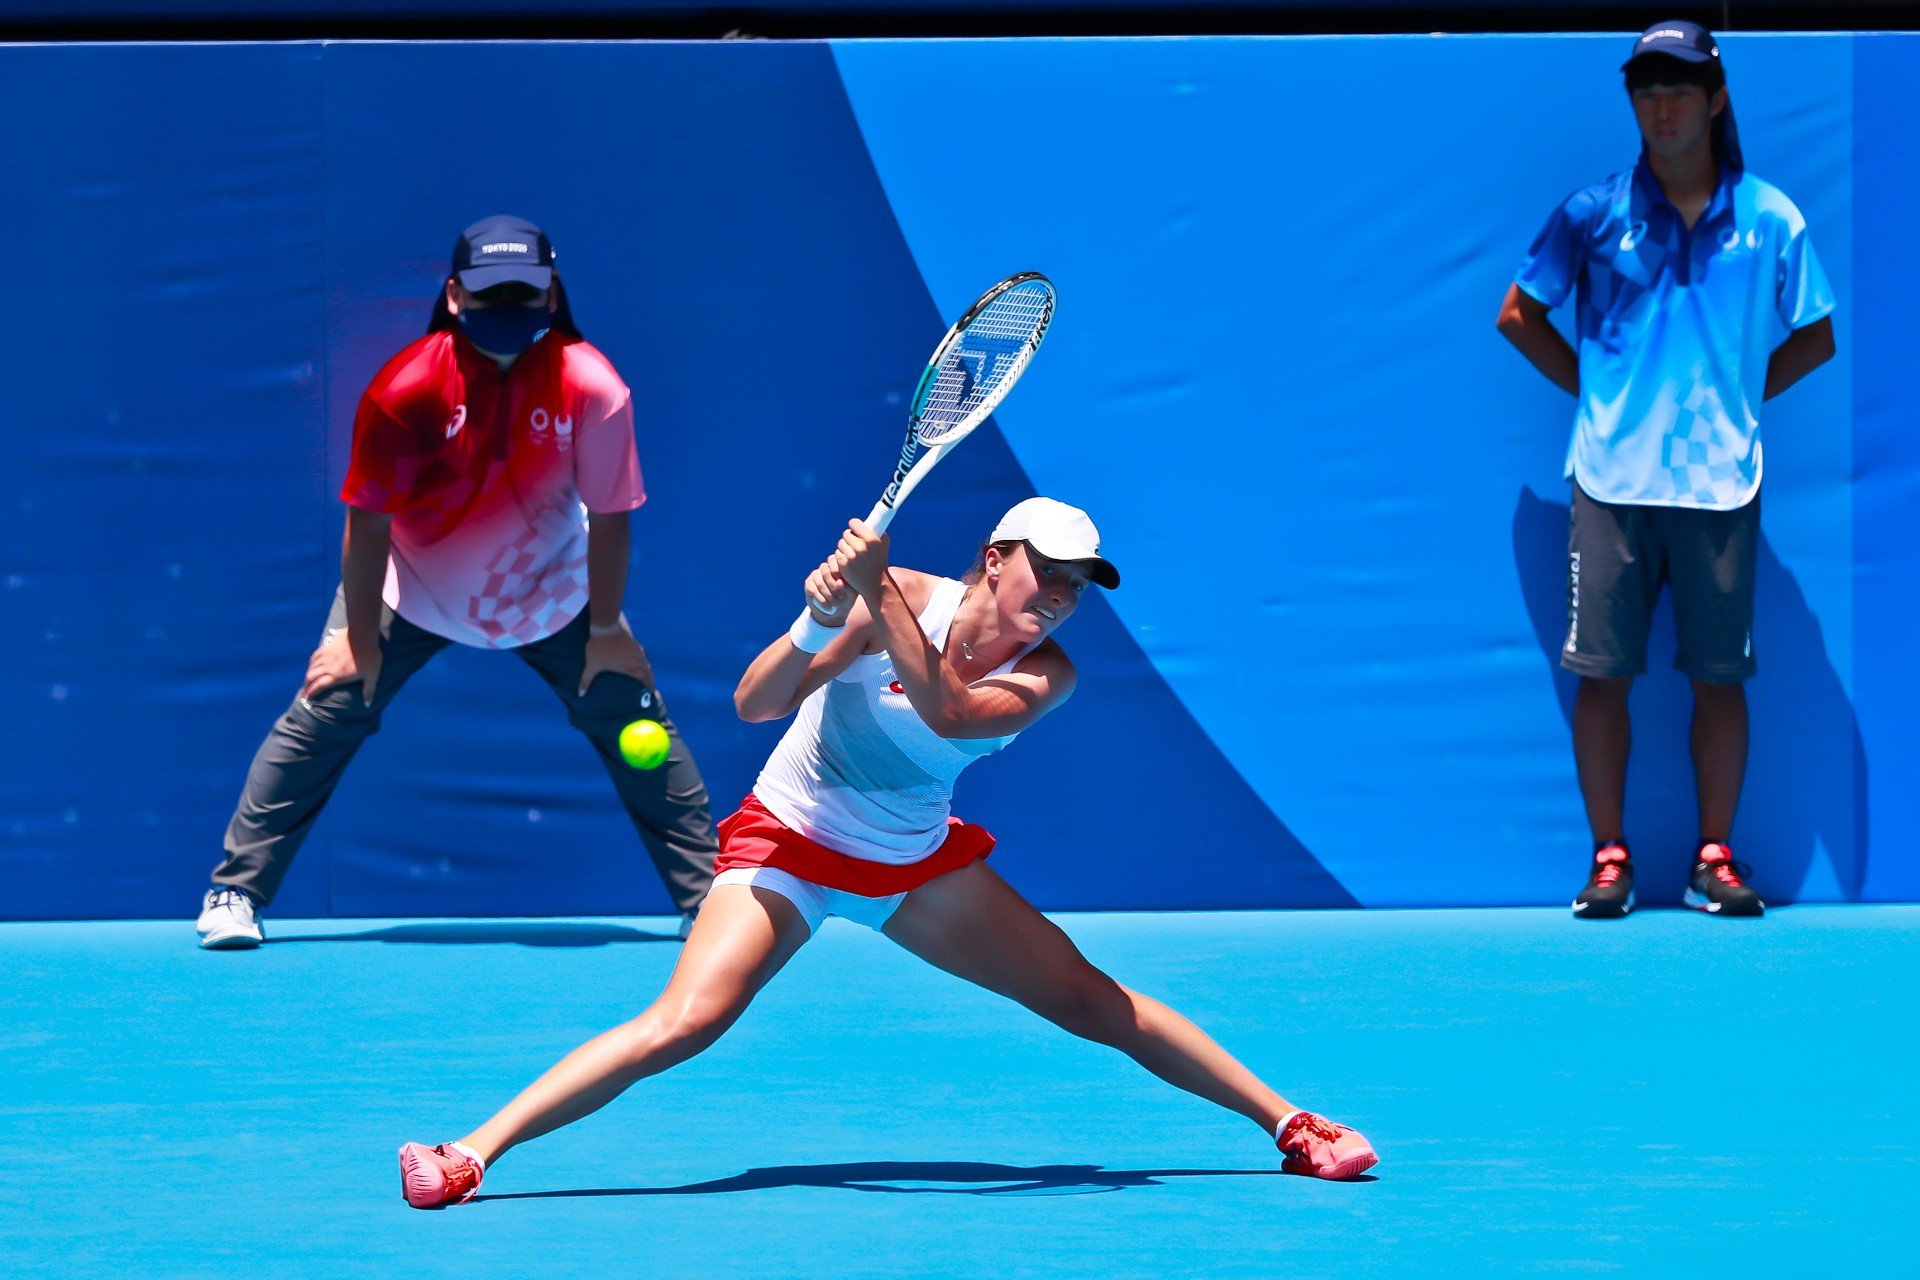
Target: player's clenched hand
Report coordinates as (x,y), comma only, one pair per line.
(335,663)
(617,651)
(828,594)
(863,557)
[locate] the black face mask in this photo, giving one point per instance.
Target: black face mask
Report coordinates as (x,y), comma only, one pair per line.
(505,331)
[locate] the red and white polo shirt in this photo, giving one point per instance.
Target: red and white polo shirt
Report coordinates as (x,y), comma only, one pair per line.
(488,477)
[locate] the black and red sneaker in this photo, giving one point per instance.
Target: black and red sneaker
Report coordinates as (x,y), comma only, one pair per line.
(1609,891)
(1719,884)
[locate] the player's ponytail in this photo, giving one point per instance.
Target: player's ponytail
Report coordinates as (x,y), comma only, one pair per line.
(979,569)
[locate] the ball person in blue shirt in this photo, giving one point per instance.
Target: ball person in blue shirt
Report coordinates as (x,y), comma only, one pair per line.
(1696,297)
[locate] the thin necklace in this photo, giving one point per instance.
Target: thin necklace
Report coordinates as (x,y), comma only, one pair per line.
(966,651)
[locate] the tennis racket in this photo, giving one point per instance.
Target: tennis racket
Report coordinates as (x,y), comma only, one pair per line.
(976,365)
(970,373)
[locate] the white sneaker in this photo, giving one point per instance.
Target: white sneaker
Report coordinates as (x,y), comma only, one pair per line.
(227,921)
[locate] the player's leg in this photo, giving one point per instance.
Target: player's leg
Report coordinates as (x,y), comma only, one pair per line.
(293,775)
(1713,557)
(745,934)
(971,923)
(1614,571)
(668,805)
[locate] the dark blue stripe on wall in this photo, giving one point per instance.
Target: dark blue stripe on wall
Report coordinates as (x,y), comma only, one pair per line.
(160,503)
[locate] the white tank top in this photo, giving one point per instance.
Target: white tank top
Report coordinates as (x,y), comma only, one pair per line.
(859,771)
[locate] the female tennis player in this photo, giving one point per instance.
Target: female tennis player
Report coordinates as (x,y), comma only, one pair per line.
(895,695)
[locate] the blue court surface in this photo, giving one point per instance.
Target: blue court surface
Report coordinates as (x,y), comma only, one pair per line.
(1669,1095)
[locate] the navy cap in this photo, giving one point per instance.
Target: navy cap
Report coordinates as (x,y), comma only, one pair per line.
(503,249)
(1687,41)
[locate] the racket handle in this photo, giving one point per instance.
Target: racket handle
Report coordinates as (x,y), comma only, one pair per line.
(878,519)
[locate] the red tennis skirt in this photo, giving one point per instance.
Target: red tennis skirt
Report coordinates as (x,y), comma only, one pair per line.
(753,837)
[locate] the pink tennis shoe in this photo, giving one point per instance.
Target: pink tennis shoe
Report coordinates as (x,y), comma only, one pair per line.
(1317,1147)
(434,1177)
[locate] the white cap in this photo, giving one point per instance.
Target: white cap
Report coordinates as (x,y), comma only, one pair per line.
(1058,532)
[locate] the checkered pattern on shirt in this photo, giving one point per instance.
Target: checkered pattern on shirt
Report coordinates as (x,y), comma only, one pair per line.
(1700,469)
(520,595)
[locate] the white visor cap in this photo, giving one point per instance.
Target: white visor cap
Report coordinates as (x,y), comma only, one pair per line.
(1058,532)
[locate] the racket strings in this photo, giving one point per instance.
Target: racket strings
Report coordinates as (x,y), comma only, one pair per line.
(983,363)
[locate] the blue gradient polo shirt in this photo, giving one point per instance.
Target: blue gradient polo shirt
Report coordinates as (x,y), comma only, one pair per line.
(1674,327)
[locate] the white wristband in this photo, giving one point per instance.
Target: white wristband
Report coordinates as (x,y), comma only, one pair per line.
(611,629)
(809,635)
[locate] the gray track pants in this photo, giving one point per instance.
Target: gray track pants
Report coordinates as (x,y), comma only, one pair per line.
(307,752)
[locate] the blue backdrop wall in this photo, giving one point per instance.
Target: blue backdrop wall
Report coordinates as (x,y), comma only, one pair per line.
(1335,493)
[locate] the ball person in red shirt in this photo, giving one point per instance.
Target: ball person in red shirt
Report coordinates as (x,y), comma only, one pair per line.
(488,495)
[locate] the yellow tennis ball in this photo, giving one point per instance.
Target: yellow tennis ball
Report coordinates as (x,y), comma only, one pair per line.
(644,744)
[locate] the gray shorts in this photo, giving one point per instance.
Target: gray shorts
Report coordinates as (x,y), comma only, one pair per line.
(1618,556)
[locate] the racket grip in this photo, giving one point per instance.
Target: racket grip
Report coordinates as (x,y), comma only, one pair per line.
(878,519)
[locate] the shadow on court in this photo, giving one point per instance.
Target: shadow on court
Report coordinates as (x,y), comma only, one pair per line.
(910,1177)
(526,933)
